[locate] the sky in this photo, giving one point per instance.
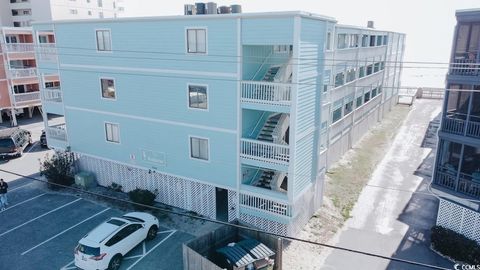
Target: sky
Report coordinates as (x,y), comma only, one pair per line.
(428,24)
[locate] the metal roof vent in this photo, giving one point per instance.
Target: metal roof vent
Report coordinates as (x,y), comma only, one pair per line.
(371,24)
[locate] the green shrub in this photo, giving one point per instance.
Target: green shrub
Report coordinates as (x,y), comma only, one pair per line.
(116,187)
(142,196)
(58,169)
(455,245)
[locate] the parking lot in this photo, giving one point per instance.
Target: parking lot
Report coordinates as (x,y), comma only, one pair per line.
(40,229)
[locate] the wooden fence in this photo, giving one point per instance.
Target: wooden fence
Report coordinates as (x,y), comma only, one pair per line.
(196,252)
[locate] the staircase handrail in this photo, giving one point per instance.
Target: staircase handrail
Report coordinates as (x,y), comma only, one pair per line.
(258,123)
(261,66)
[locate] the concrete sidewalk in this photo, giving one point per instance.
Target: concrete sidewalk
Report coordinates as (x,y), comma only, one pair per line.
(395,211)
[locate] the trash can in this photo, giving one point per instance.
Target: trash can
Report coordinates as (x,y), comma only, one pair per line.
(85,180)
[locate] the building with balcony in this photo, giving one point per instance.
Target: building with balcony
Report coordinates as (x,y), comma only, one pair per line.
(232,116)
(19,81)
(458,156)
(456,175)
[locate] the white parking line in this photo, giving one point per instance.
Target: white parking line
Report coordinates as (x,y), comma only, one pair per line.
(132,257)
(51,211)
(66,267)
(154,247)
(15,205)
(19,187)
(64,231)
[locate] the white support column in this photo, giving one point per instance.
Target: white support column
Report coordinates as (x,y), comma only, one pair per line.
(297,25)
(239,114)
(13,117)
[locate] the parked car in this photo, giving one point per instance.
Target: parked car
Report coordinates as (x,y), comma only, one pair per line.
(43,139)
(106,245)
(13,142)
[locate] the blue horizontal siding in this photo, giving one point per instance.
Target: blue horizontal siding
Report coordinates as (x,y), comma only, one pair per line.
(270,31)
(134,42)
(154,97)
(86,134)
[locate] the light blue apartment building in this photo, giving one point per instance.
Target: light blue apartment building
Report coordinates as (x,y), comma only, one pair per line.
(233,116)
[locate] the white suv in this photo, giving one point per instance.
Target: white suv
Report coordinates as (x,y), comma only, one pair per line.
(105,246)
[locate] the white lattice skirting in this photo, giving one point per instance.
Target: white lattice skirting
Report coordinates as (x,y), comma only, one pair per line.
(265,224)
(459,219)
(175,191)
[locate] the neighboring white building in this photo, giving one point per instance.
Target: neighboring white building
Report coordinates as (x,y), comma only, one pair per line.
(19,83)
(20,13)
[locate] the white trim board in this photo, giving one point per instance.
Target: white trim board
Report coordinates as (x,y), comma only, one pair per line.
(153,70)
(168,122)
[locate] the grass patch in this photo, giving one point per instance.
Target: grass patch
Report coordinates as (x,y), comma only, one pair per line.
(347,179)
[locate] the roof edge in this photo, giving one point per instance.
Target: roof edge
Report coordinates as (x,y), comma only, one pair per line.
(201,17)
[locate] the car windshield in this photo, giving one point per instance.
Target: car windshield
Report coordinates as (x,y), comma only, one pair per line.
(6,143)
(94,251)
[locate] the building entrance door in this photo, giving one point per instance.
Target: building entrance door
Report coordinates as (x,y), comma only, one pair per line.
(221,197)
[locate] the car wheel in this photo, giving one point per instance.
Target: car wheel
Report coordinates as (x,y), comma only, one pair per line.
(152,232)
(115,262)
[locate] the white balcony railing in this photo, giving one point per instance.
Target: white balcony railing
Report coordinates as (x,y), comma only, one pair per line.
(465,67)
(57,132)
(453,125)
(18,47)
(264,151)
(24,72)
(52,95)
(263,204)
(47,52)
(266,93)
(27,97)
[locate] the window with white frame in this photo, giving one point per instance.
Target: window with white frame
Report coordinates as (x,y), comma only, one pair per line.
(100,15)
(339,79)
(337,110)
(351,73)
(341,41)
(104,42)
(326,80)
(42,39)
(348,107)
(112,133)
(196,40)
(365,40)
(197,97)
(359,101)
(199,148)
(361,72)
(329,41)
(353,41)
(108,88)
(373,40)
(73,11)
(100,3)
